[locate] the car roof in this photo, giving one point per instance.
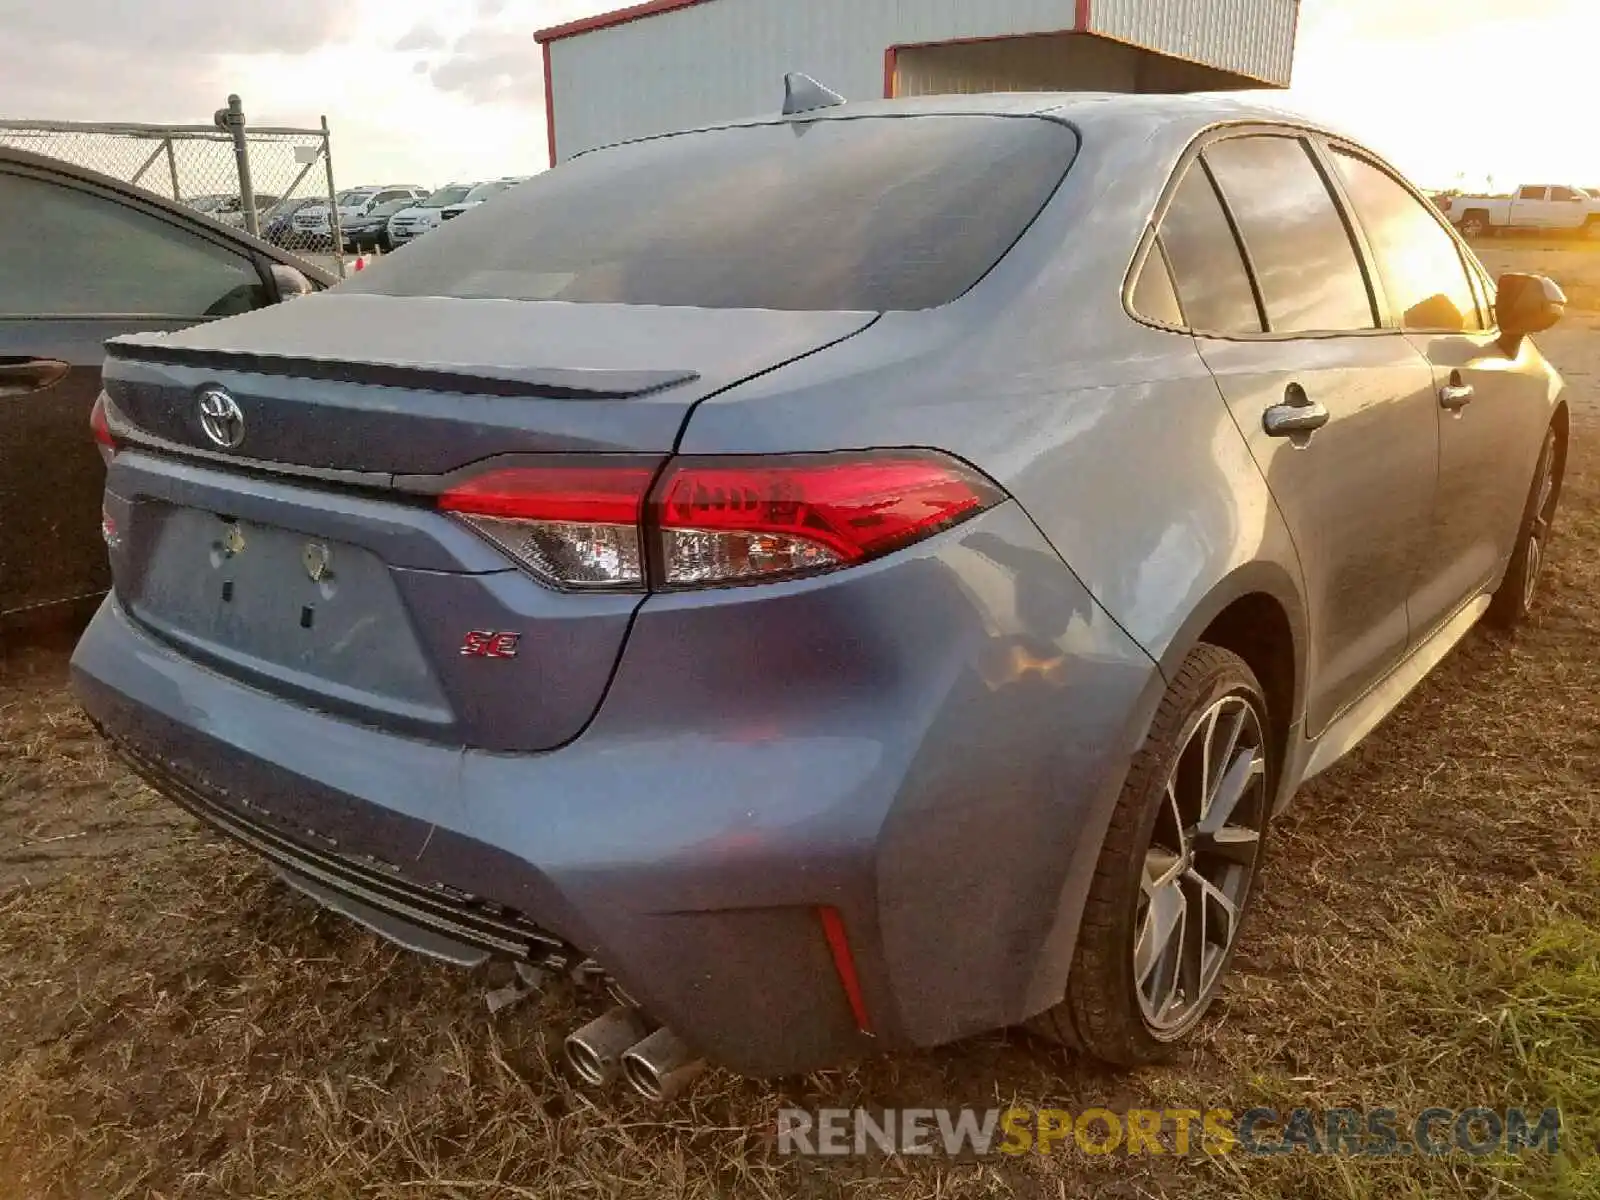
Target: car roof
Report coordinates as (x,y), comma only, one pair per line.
(178,210)
(1196,111)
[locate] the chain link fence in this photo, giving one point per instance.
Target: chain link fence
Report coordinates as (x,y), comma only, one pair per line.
(275,183)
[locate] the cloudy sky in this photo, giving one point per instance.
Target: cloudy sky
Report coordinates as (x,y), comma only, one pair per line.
(429,90)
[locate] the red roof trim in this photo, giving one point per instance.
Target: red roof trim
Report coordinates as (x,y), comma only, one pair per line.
(621,16)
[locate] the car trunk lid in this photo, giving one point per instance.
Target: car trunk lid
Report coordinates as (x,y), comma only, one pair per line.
(417,385)
(309,559)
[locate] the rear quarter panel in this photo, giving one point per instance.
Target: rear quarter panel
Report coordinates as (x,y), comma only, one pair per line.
(1112,434)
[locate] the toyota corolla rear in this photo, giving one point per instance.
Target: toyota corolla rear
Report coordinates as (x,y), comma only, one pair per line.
(416,597)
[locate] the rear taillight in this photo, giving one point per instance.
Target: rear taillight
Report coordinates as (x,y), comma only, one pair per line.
(573,526)
(732,520)
(100,427)
(715,521)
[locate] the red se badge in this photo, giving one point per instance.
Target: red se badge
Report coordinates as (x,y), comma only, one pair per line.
(489,644)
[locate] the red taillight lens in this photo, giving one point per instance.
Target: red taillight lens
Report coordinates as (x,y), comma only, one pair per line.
(100,427)
(717,520)
(723,521)
(573,526)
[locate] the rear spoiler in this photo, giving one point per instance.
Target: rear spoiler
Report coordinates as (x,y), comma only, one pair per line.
(553,383)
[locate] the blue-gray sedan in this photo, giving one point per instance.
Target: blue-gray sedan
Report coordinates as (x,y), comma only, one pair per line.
(837,581)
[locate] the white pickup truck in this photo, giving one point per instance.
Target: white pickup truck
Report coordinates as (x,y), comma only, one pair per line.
(1536,206)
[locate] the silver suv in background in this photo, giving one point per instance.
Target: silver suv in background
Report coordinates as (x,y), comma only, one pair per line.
(413,222)
(481,193)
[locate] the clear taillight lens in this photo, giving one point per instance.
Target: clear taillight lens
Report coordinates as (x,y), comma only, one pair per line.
(571,526)
(739,520)
(716,521)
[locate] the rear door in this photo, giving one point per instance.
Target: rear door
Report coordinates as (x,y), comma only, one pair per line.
(1567,209)
(1491,411)
(1527,209)
(79,265)
(1338,413)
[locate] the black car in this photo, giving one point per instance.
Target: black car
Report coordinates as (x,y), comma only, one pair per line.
(371,231)
(277,226)
(84,258)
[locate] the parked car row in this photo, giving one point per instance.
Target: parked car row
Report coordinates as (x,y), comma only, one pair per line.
(314,222)
(230,209)
(448,202)
(374,217)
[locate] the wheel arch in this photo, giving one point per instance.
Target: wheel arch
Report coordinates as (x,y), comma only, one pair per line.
(1257,613)
(1259,592)
(1561,422)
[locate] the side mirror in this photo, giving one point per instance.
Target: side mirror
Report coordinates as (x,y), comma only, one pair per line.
(290,281)
(1527,304)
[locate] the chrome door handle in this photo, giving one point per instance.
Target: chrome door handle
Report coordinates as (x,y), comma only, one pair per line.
(1456,396)
(1297,417)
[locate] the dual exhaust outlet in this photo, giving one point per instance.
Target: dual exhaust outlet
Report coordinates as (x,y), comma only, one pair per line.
(619,1045)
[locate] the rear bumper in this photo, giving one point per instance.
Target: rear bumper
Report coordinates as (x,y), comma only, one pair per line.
(929,745)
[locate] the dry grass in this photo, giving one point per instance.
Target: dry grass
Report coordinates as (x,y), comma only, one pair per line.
(1573,263)
(177,1024)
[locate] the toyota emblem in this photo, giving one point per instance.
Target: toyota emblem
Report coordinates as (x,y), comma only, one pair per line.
(221,418)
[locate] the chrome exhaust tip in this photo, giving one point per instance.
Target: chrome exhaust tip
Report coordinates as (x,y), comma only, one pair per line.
(661,1067)
(595,1052)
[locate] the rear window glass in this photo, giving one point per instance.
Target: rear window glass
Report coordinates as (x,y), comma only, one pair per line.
(866,213)
(1207,267)
(1305,262)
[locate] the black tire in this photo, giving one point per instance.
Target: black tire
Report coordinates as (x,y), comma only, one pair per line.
(1475,225)
(1104,1013)
(1520,588)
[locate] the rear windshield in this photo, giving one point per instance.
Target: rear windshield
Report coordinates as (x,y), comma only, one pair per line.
(869,214)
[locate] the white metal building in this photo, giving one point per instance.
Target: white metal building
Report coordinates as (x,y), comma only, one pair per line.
(677,64)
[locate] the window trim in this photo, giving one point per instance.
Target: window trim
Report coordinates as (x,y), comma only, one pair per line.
(1313,139)
(1150,247)
(1156,250)
(1477,278)
(1242,246)
(197,229)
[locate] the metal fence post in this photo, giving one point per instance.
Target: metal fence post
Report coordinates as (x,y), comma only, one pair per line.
(333,197)
(232,119)
(172,169)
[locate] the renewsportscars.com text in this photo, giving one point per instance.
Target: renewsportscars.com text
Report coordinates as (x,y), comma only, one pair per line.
(1349,1132)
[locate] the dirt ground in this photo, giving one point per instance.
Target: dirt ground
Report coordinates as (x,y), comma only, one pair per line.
(175,1023)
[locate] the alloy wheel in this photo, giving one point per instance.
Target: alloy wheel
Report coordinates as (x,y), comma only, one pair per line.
(1543,518)
(1199,866)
